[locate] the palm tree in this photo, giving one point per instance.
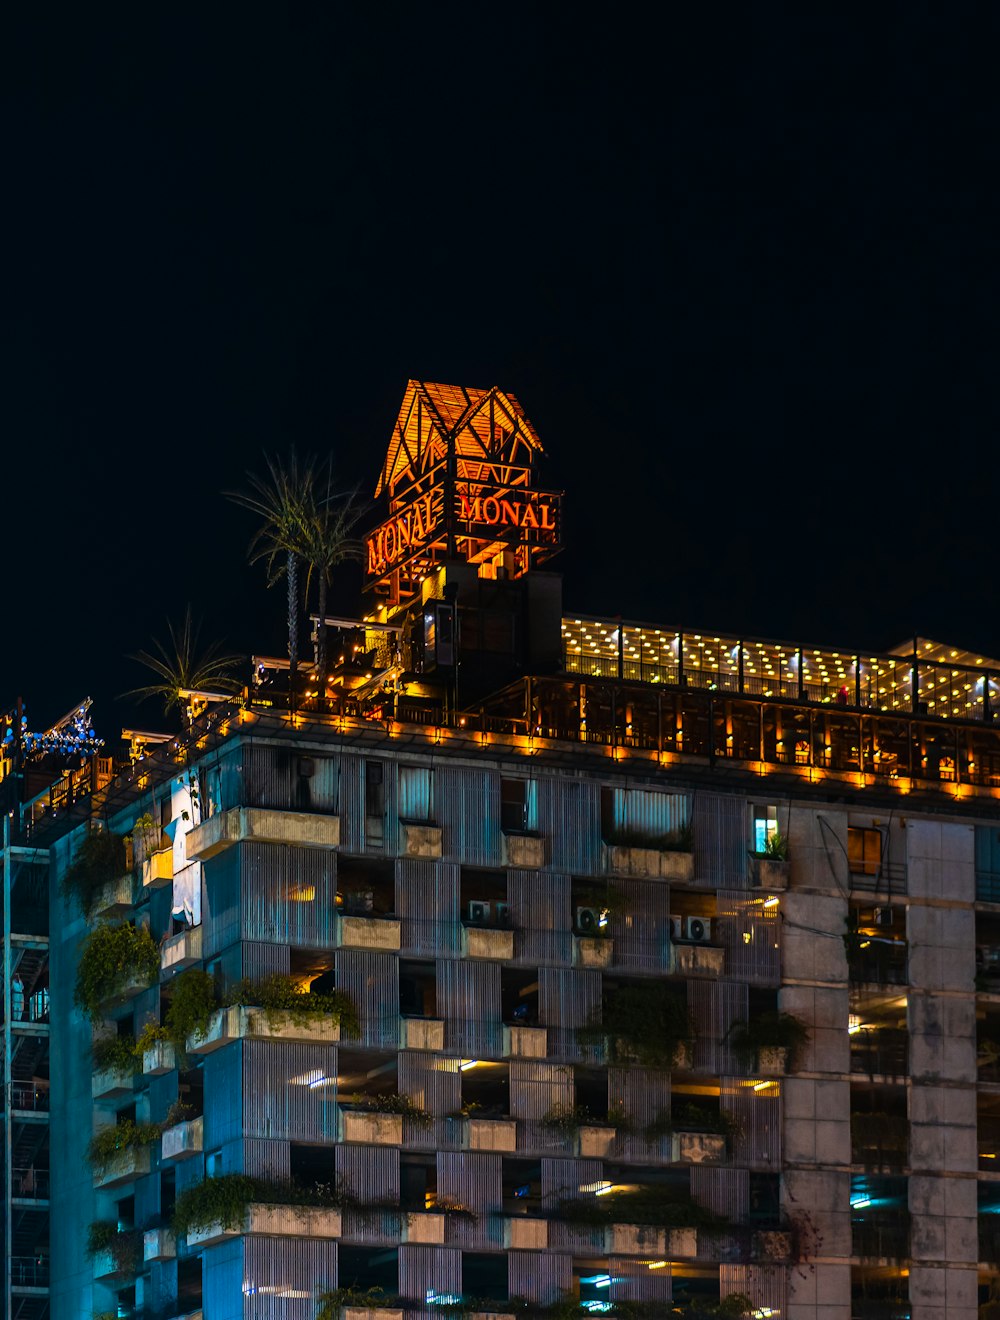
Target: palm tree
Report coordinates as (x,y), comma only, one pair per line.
(285,500)
(182,670)
(330,541)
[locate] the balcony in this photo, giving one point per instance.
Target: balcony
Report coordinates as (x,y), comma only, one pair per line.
(420,840)
(878,962)
(496,1134)
(525,1042)
(593,951)
(488,942)
(644,1240)
(261,825)
(523,852)
(126,1167)
(698,1147)
(371,1313)
(595,1142)
(27,1099)
(115,899)
(158,1244)
(296,1221)
(769,873)
(421,1034)
(158,869)
(111,1084)
(881,1236)
(644,863)
(241,1023)
(880,1052)
(422,1228)
(182,1141)
(180,951)
(29,1275)
(367,932)
(159,1060)
(524,1234)
(29,1186)
(371,1128)
(698,960)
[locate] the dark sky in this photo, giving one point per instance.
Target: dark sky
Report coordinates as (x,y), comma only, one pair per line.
(743,280)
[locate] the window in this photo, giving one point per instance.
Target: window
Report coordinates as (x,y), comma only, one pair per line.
(513,805)
(864,850)
(416,787)
(765,826)
(374,788)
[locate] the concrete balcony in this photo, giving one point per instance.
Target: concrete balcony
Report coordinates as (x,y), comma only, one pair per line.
(698,960)
(126,1167)
(105,1266)
(298,1221)
(371,1313)
(159,1060)
(420,840)
(158,869)
(261,825)
(426,1229)
(698,1147)
(772,1061)
(370,1128)
(642,1240)
(525,1042)
(421,1034)
(593,951)
(524,852)
(648,863)
(774,1245)
(180,951)
(132,986)
(496,1134)
(115,899)
(523,1234)
(110,1084)
(770,874)
(367,932)
(487,942)
(158,1244)
(182,1141)
(240,1023)
(595,1142)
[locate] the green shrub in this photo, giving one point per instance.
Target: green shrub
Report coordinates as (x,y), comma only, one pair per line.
(653,1206)
(645,1024)
(125,1247)
(225,1199)
(567,1119)
(151,1034)
(110,957)
(393,1103)
(178,1113)
(692,1118)
(110,1142)
(679,840)
(278,994)
(99,859)
(194,997)
(767,1031)
(332,1304)
(776,848)
(116,1052)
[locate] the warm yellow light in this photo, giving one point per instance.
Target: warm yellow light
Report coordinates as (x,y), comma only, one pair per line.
(763,1086)
(771,902)
(466,1064)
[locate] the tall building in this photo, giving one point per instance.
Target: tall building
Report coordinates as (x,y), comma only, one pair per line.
(533,955)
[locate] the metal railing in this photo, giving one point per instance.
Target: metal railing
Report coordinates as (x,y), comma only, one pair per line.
(29,1271)
(31,1098)
(30,1184)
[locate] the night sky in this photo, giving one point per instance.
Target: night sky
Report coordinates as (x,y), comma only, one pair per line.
(742,279)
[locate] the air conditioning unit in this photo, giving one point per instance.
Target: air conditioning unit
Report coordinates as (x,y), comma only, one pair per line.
(698,929)
(676,928)
(479,911)
(588,920)
(883,916)
(501,913)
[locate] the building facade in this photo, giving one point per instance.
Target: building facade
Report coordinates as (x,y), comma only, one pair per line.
(529,959)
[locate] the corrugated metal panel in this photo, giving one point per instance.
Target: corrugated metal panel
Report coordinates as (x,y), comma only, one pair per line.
(644,1094)
(352,804)
(468,998)
(751,935)
(651,812)
(714,1007)
(569,816)
(721,839)
(567,998)
(539,1276)
(427,895)
(640,925)
(724,1191)
(765,1285)
(370,1173)
(222,1280)
(632,1280)
(281,1277)
(473,1179)
(416,792)
(371,981)
(468,811)
(220,901)
(540,910)
(758,1119)
(289,895)
(289,1090)
(223,1081)
(429,1271)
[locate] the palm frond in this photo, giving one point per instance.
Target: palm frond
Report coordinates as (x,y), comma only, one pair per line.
(181,667)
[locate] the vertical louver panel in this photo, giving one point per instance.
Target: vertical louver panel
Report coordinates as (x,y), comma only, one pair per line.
(472,1179)
(714,1007)
(267,1159)
(267,776)
(634,1280)
(352,804)
(223,1080)
(725,1192)
(567,999)
(569,816)
(416,793)
(260,960)
(540,910)
(765,1285)
(536,1088)
(539,1276)
(757,1144)
(433,1083)
(468,998)
(567,1180)
(289,895)
(369,1174)
(721,840)
(644,1096)
(429,1272)
(220,901)
(427,901)
(222,1281)
(640,925)
(282,1276)
(291,779)
(751,935)
(371,981)
(468,810)
(649,812)
(290,1090)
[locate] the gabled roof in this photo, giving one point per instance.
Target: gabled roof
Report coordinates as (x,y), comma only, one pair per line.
(433,416)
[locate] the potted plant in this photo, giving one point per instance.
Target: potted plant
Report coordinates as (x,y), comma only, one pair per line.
(648,1024)
(768,1043)
(115,961)
(99,863)
(772,863)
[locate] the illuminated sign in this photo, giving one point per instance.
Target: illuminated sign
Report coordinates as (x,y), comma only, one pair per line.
(405,532)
